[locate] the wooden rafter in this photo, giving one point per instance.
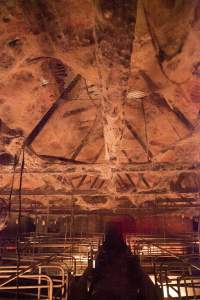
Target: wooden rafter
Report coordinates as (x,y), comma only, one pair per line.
(40,125)
(138,138)
(160,99)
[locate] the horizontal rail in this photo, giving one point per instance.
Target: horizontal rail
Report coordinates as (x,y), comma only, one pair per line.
(177,257)
(31,267)
(42,277)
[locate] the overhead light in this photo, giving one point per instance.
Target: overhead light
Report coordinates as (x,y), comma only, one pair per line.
(136,95)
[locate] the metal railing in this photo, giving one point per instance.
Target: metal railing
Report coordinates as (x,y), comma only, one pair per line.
(67,262)
(31,286)
(72,252)
(57,282)
(171,259)
(174,274)
(188,287)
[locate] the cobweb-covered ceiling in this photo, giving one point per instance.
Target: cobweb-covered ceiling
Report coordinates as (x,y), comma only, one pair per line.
(104,98)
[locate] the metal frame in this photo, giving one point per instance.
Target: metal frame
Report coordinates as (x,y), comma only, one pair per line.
(48,286)
(61,282)
(187,287)
(165,257)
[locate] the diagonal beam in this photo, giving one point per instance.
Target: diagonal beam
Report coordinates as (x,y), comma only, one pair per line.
(94,182)
(85,140)
(98,154)
(183,118)
(121,180)
(138,138)
(81,181)
(145,181)
(160,99)
(126,155)
(40,125)
(131,181)
(102,183)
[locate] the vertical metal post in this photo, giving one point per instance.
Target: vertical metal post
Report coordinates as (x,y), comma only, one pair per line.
(50,290)
(199,233)
(179,288)
(193,288)
(155,275)
(39,281)
(161,281)
(167,284)
(63,281)
(186,290)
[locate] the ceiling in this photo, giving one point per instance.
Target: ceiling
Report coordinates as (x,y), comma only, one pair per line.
(103,99)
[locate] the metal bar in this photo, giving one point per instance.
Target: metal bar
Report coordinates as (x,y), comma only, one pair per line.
(155,274)
(193,289)
(62,273)
(11,278)
(185,285)
(167,283)
(36,130)
(39,282)
(45,277)
(177,257)
(179,288)
(13,269)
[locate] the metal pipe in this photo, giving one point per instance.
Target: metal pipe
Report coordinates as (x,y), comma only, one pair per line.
(11,278)
(177,257)
(44,277)
(39,281)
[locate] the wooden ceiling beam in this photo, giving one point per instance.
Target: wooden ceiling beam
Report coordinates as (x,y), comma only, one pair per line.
(40,166)
(42,122)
